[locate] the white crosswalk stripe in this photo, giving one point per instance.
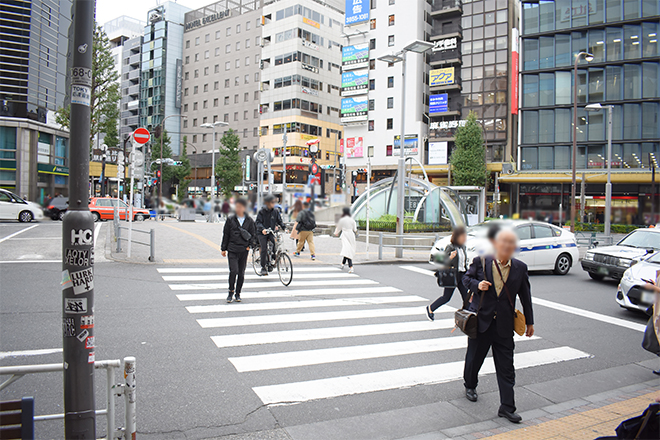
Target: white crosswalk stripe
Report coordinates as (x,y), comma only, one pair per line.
(359,319)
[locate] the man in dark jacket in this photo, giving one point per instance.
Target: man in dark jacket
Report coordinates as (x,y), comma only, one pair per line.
(306,225)
(500,279)
(237,237)
(268,218)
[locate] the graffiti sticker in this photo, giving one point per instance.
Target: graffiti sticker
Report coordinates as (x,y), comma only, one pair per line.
(87,321)
(69,327)
(75,305)
(83,281)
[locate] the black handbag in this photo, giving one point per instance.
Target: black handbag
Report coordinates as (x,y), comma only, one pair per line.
(446,278)
(645,426)
(244,232)
(466,320)
(650,341)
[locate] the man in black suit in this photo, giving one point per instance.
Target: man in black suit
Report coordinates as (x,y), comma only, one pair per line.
(499,280)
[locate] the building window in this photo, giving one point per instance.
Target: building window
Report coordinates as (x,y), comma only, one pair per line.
(236,99)
(246,96)
(246,79)
(226,100)
(187,76)
(247,43)
(372,104)
(256,95)
(194,138)
(256,77)
(388,150)
(207,38)
(391,3)
(206,88)
(238,28)
(187,44)
(228,48)
(216,85)
(197,41)
(235,116)
(215,102)
(247,26)
(372,44)
(196,73)
(206,71)
(205,104)
(372,84)
(373,4)
(237,82)
(371,125)
(185,91)
(217,35)
(228,32)
(245,115)
(195,122)
(187,60)
(226,83)
(255,114)
(204,137)
(228,65)
(226,117)
(238,46)
(390,82)
(196,57)
(372,24)
(390,123)
(185,123)
(390,40)
(390,20)
(194,106)
(255,132)
(247,61)
(390,102)
(185,108)
(217,68)
(238,64)
(195,90)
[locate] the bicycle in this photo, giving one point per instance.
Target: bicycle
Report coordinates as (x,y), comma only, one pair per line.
(279,258)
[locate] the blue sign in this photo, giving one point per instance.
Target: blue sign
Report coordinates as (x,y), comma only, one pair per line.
(357,11)
(439,103)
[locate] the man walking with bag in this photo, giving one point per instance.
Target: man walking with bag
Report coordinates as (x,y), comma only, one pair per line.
(237,237)
(306,225)
(496,284)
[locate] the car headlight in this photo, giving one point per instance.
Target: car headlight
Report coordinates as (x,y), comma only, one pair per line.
(627,276)
(625,262)
(589,256)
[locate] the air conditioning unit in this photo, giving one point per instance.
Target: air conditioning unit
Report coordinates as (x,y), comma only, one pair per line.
(508,168)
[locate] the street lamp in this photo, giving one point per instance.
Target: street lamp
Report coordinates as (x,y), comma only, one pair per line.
(212,127)
(608,186)
(588,57)
(160,178)
(416,47)
(313,147)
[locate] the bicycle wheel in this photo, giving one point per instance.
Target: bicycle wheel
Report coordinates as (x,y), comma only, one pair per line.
(256,260)
(285,269)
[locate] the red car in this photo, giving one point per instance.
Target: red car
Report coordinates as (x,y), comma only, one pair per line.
(103,208)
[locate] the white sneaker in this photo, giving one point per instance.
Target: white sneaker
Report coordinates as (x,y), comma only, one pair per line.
(341,266)
(350,270)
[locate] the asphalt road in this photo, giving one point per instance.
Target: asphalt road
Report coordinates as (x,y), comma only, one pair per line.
(342,382)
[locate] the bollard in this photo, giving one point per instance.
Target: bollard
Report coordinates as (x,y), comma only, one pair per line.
(380,245)
(110,391)
(129,394)
(152,245)
(118,239)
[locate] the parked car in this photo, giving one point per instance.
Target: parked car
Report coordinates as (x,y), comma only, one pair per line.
(57,207)
(613,261)
(196,204)
(103,208)
(631,293)
(541,246)
(12,207)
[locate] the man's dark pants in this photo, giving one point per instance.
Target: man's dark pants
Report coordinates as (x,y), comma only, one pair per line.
(237,264)
(503,358)
(263,243)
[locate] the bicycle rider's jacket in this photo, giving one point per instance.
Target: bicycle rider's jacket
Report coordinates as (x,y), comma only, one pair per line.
(269,218)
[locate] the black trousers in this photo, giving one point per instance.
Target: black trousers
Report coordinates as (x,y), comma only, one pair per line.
(347,260)
(449,292)
(263,243)
(237,263)
(502,356)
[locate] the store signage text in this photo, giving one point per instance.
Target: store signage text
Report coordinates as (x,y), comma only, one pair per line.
(447,43)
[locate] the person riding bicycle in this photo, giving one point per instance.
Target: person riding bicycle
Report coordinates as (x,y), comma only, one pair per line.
(268,218)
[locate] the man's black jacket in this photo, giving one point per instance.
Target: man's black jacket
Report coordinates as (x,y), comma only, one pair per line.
(232,239)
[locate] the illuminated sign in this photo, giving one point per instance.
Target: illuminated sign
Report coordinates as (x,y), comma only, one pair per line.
(441,77)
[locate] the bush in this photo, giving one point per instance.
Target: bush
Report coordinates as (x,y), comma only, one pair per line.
(390,226)
(600,227)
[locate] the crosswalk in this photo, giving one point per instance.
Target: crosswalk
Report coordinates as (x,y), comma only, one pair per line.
(295,344)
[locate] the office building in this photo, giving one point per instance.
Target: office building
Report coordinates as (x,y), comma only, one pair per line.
(624,73)
(300,83)
(161,55)
(372,89)
(33,52)
(221,77)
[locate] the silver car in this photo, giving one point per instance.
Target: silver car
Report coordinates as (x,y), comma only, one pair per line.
(631,293)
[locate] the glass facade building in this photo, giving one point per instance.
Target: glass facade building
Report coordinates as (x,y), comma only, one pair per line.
(624,73)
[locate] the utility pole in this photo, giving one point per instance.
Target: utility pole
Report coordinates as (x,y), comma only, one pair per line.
(284,140)
(78,243)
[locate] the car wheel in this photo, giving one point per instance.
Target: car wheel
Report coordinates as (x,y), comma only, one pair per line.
(60,215)
(96,216)
(595,276)
(25,217)
(563,264)
(139,218)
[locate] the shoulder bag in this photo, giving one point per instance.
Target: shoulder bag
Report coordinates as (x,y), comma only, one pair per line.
(244,232)
(519,322)
(466,320)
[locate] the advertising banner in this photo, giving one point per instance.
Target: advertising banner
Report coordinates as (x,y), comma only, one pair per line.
(354,83)
(514,71)
(357,11)
(437,153)
(354,109)
(355,57)
(439,103)
(411,145)
(354,147)
(441,77)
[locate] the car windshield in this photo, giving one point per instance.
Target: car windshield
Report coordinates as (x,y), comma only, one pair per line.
(481,230)
(642,239)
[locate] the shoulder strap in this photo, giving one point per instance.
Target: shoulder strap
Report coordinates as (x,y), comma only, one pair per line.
(508,295)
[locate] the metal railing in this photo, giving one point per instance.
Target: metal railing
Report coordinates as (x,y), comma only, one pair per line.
(592,240)
(381,243)
(152,239)
(114,389)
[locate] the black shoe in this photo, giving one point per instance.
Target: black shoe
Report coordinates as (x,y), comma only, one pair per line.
(471,394)
(230,296)
(237,297)
(429,314)
(510,416)
(264,272)
(656,372)
(271,268)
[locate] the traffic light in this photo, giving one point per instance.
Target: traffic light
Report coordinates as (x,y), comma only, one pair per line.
(157,131)
(158,174)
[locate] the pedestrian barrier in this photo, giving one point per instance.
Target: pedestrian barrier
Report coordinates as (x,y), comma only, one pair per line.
(382,245)
(152,239)
(127,389)
(592,240)
(17,419)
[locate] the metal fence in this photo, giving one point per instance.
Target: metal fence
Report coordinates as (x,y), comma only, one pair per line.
(114,389)
(152,239)
(382,245)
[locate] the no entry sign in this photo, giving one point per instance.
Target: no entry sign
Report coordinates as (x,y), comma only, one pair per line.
(141,136)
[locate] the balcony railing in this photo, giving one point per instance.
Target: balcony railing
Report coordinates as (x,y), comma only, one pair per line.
(446,55)
(439,6)
(446,28)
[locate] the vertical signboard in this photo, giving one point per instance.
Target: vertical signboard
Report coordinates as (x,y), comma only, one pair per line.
(437,153)
(354,147)
(357,11)
(179,83)
(514,71)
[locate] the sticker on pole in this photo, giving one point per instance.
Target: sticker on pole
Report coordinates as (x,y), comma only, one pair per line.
(90,357)
(68,327)
(75,305)
(89,342)
(141,135)
(81,95)
(83,335)
(75,257)
(66,280)
(83,281)
(87,321)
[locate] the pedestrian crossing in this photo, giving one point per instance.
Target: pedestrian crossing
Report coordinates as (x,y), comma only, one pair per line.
(295,344)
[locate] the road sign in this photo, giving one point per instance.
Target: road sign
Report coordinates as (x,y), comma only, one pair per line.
(314,169)
(137,157)
(141,136)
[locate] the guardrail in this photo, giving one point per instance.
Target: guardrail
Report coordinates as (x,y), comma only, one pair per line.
(152,239)
(126,389)
(592,239)
(382,245)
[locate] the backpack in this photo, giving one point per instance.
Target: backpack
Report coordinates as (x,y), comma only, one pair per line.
(308,221)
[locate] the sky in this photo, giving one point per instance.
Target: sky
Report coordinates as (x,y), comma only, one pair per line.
(107,10)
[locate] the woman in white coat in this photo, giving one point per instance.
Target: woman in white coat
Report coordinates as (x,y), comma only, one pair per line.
(347,227)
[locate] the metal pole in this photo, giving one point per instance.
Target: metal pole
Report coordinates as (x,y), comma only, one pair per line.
(213,169)
(284,139)
(334,172)
(270,178)
(78,242)
(380,245)
(103,159)
(110,394)
(368,196)
(583,196)
(652,192)
(129,211)
(608,185)
(400,211)
(129,395)
(152,245)
(574,152)
(243,178)
(160,178)
(496,202)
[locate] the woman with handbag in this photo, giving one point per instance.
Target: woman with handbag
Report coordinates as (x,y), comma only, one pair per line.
(237,237)
(347,227)
(456,260)
(652,333)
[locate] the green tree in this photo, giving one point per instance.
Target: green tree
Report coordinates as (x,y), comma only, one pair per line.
(111,138)
(228,168)
(183,170)
(169,172)
(468,158)
(105,91)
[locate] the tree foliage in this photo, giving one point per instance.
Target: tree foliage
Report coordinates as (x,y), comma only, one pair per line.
(105,92)
(169,172)
(468,158)
(183,170)
(228,168)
